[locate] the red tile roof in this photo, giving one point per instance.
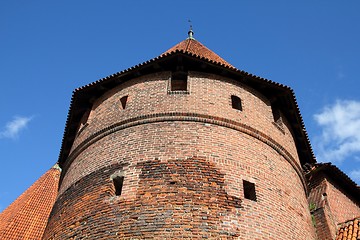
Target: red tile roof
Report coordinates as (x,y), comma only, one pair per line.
(193,47)
(27,216)
(349,230)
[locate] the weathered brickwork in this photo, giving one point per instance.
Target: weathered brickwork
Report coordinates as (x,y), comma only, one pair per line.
(184,158)
(186,195)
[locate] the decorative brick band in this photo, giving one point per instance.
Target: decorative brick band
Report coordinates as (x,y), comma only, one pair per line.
(190,117)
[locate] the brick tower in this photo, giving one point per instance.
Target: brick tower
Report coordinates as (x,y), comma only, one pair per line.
(183,146)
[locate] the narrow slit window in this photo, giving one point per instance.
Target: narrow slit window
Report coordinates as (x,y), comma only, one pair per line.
(123,101)
(249,190)
(84,122)
(236,102)
(179,81)
(85,117)
(276,115)
(118,184)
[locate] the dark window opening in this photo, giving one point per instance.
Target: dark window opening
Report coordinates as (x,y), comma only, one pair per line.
(123,101)
(179,81)
(276,115)
(249,190)
(118,184)
(236,102)
(323,197)
(85,117)
(84,122)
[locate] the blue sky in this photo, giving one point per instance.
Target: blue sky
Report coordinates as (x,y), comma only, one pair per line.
(49,48)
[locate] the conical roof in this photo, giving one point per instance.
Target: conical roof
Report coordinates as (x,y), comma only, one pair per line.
(194,47)
(27,216)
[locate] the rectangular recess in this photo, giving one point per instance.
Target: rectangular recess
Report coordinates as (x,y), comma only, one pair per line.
(249,190)
(178,81)
(118,184)
(236,102)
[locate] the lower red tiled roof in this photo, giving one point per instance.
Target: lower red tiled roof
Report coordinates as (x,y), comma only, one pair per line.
(27,216)
(349,230)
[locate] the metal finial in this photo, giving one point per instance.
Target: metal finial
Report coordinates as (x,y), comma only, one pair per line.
(190,33)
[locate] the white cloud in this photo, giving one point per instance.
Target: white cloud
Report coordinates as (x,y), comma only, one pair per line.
(355,174)
(340,136)
(13,127)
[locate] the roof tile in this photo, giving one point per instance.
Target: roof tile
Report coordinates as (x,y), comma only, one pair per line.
(27,216)
(194,47)
(349,230)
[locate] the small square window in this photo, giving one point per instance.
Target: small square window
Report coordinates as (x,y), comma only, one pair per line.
(236,102)
(178,81)
(249,190)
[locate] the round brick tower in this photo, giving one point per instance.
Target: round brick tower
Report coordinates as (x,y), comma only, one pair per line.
(183,146)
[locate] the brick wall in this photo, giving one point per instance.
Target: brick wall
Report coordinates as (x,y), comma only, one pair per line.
(184,158)
(209,94)
(343,207)
(324,224)
(331,206)
(323,219)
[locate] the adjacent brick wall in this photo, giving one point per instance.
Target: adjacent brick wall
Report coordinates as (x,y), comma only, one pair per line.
(343,207)
(331,206)
(184,157)
(324,224)
(323,219)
